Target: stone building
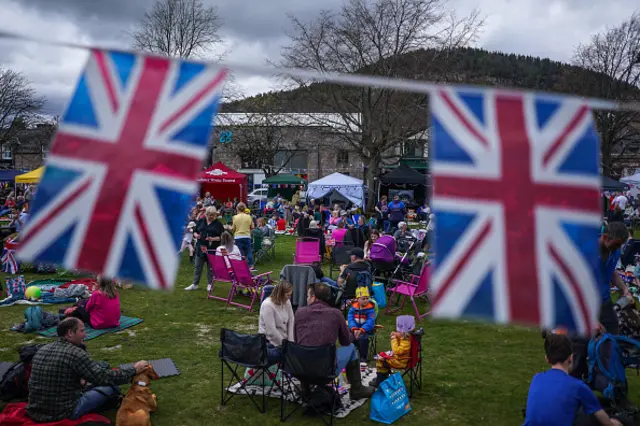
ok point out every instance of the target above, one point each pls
(27, 149)
(311, 145)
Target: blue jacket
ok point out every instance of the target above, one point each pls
(364, 318)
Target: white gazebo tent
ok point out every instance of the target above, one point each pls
(349, 187)
(633, 182)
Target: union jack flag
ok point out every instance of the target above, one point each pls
(516, 196)
(9, 263)
(121, 171)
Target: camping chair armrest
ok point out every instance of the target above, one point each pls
(264, 274)
(396, 283)
(378, 327)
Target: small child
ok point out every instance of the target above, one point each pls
(400, 352)
(362, 321)
(187, 240)
(273, 222)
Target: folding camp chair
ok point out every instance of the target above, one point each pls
(313, 366)
(413, 370)
(416, 287)
(339, 256)
(221, 272)
(248, 351)
(307, 251)
(243, 280)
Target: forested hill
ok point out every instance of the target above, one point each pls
(474, 66)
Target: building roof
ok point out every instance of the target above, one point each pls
(340, 122)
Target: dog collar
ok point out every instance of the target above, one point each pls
(141, 384)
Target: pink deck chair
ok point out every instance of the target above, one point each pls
(418, 286)
(242, 279)
(307, 251)
(338, 235)
(221, 272)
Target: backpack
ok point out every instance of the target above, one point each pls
(33, 317)
(608, 357)
(14, 384)
(365, 279)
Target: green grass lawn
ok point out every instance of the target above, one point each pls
(473, 373)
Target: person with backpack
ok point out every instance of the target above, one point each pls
(557, 399)
(356, 274)
(615, 235)
(59, 370)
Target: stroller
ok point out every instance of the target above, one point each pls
(386, 263)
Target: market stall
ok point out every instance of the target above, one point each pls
(223, 182)
(404, 182)
(286, 185)
(336, 186)
(30, 177)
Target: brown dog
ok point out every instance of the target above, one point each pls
(139, 401)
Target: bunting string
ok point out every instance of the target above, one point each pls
(405, 85)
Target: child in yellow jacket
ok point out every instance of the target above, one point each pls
(400, 353)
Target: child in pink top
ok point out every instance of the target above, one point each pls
(103, 306)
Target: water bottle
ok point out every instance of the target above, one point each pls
(622, 303)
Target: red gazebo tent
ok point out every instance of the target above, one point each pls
(223, 183)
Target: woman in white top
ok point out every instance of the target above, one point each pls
(276, 319)
(228, 246)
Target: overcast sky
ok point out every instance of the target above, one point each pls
(253, 31)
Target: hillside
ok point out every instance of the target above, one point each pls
(475, 66)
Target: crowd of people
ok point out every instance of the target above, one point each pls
(62, 370)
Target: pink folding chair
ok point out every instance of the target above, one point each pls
(338, 235)
(243, 280)
(307, 251)
(221, 272)
(417, 287)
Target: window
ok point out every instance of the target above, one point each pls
(6, 152)
(343, 158)
(296, 160)
(413, 149)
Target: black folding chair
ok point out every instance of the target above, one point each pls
(339, 256)
(312, 366)
(243, 351)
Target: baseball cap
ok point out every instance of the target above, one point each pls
(357, 252)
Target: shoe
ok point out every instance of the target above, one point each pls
(253, 269)
(357, 391)
(380, 377)
(191, 287)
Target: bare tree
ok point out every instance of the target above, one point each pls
(178, 28)
(259, 137)
(19, 105)
(614, 58)
(376, 38)
(184, 29)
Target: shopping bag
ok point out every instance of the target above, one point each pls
(390, 401)
(379, 295)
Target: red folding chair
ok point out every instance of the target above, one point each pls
(221, 272)
(243, 280)
(307, 251)
(417, 287)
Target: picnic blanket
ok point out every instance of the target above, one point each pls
(125, 322)
(16, 415)
(348, 405)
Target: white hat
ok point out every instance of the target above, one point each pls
(313, 225)
(191, 225)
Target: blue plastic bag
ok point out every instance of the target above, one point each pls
(390, 401)
(379, 295)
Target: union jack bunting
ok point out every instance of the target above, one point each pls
(516, 197)
(121, 171)
(9, 263)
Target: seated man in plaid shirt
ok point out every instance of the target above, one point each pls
(59, 371)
